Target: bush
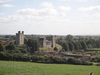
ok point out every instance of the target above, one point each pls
(98, 59)
(97, 64)
(2, 55)
(74, 61)
(41, 59)
(86, 63)
(48, 59)
(55, 48)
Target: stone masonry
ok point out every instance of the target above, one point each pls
(20, 38)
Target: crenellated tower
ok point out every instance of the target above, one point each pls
(20, 38)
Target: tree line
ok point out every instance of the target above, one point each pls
(71, 43)
(30, 46)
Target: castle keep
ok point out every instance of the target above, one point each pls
(20, 38)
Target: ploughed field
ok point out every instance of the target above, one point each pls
(29, 68)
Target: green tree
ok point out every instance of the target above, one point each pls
(2, 48)
(80, 47)
(84, 45)
(65, 46)
(89, 43)
(76, 46)
(10, 47)
(60, 41)
(97, 43)
(33, 45)
(71, 46)
(69, 38)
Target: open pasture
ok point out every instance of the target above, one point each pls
(29, 68)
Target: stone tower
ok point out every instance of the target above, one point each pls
(20, 38)
(53, 41)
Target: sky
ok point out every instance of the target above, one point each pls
(50, 17)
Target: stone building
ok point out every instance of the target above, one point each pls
(47, 42)
(20, 38)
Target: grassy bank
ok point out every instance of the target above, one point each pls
(94, 49)
(27, 68)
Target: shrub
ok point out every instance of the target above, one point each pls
(55, 48)
(74, 61)
(97, 64)
(98, 59)
(86, 63)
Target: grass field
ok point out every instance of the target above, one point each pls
(94, 49)
(28, 68)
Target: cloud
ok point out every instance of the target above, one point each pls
(82, 1)
(3, 1)
(62, 14)
(47, 4)
(40, 12)
(91, 15)
(7, 5)
(38, 24)
(90, 9)
(63, 8)
(65, 0)
(1, 13)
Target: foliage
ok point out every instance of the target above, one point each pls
(71, 46)
(97, 43)
(97, 64)
(40, 59)
(33, 45)
(98, 59)
(74, 61)
(80, 42)
(65, 46)
(2, 48)
(10, 47)
(76, 46)
(69, 38)
(83, 44)
(55, 48)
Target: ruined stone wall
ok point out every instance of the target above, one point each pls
(48, 42)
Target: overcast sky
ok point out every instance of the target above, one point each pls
(54, 17)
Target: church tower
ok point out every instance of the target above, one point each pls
(20, 38)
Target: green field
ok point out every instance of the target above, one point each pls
(28, 68)
(94, 49)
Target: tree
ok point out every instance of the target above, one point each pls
(89, 43)
(65, 46)
(33, 44)
(69, 38)
(84, 45)
(71, 46)
(76, 46)
(10, 47)
(97, 43)
(2, 48)
(60, 41)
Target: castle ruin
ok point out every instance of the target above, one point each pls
(20, 38)
(47, 42)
